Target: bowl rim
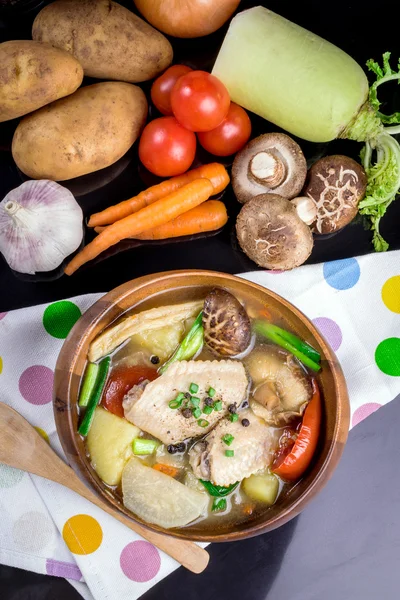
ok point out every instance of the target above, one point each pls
(70, 351)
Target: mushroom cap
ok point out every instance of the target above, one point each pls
(289, 161)
(272, 234)
(227, 329)
(336, 184)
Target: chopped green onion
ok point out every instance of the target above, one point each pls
(89, 381)
(196, 412)
(142, 446)
(189, 346)
(218, 405)
(211, 392)
(95, 397)
(193, 388)
(202, 423)
(218, 504)
(207, 410)
(234, 417)
(303, 351)
(177, 402)
(229, 453)
(218, 490)
(228, 439)
(195, 401)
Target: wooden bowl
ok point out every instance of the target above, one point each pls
(174, 286)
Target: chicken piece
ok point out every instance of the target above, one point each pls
(253, 448)
(148, 409)
(282, 389)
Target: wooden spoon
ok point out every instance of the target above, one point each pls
(22, 447)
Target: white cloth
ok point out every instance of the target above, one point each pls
(355, 303)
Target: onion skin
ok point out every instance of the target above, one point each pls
(187, 18)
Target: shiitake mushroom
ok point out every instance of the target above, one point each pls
(335, 184)
(272, 234)
(270, 163)
(227, 329)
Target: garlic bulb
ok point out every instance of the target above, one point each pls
(40, 225)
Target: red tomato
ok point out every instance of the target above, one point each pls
(230, 136)
(292, 465)
(120, 382)
(200, 101)
(166, 148)
(162, 88)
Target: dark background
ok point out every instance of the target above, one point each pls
(346, 544)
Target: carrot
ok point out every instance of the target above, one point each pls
(215, 172)
(208, 216)
(248, 508)
(166, 469)
(264, 312)
(164, 210)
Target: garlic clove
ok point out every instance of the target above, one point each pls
(40, 225)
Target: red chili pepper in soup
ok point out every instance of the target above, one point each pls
(292, 464)
(121, 380)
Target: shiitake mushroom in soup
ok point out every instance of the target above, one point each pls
(199, 408)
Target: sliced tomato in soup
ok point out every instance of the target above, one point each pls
(292, 460)
(121, 380)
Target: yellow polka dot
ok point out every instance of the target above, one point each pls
(82, 534)
(43, 434)
(1, 364)
(391, 294)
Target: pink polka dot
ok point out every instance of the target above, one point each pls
(330, 330)
(364, 411)
(36, 384)
(140, 561)
(2, 315)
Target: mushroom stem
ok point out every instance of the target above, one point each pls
(268, 169)
(306, 209)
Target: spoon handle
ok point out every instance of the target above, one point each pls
(23, 448)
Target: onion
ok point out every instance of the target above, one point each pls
(187, 18)
(40, 225)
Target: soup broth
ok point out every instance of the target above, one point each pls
(234, 462)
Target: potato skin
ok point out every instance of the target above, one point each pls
(33, 74)
(85, 132)
(108, 39)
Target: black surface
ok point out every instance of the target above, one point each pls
(346, 544)
(349, 25)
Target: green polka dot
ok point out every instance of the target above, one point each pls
(9, 476)
(387, 356)
(60, 317)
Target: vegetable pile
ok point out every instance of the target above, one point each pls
(277, 69)
(266, 64)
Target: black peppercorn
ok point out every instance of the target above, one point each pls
(209, 401)
(187, 413)
(174, 448)
(245, 422)
(187, 395)
(155, 359)
(232, 408)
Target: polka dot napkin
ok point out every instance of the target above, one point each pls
(45, 528)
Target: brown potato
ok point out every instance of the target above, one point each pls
(108, 39)
(33, 74)
(85, 132)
